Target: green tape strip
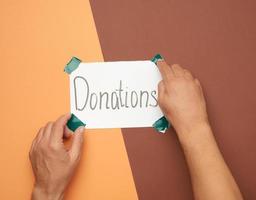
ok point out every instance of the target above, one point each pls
(72, 65)
(73, 123)
(161, 125)
(156, 58)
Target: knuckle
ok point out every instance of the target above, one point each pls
(48, 123)
(60, 119)
(41, 146)
(53, 147)
(54, 127)
(175, 65)
(187, 72)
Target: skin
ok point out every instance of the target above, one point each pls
(53, 164)
(181, 98)
(182, 101)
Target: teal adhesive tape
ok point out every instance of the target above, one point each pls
(156, 58)
(72, 65)
(73, 123)
(161, 125)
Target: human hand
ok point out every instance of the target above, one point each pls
(181, 98)
(53, 165)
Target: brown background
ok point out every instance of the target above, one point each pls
(216, 40)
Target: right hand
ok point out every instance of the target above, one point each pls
(181, 98)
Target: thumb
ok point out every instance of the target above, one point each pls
(77, 143)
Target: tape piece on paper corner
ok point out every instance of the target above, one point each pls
(72, 65)
(73, 123)
(161, 125)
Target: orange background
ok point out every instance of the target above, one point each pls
(37, 39)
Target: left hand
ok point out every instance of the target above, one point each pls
(53, 165)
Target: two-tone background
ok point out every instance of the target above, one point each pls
(215, 39)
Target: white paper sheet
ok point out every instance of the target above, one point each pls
(115, 94)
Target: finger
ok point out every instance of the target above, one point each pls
(198, 83)
(77, 144)
(200, 86)
(47, 130)
(36, 140)
(34, 144)
(177, 70)
(165, 70)
(58, 127)
(188, 74)
(67, 133)
(161, 90)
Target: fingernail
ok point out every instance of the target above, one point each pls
(80, 129)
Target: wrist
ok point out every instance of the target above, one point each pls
(40, 193)
(195, 135)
